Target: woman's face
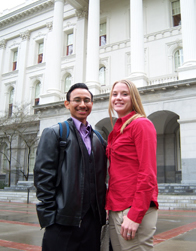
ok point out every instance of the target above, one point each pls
(121, 99)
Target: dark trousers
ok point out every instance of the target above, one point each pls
(69, 238)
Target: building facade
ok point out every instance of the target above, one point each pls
(48, 45)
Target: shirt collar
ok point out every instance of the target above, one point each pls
(79, 125)
(124, 119)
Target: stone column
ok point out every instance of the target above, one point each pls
(188, 19)
(2, 52)
(2, 55)
(53, 59)
(188, 150)
(92, 67)
(137, 43)
(22, 64)
(81, 34)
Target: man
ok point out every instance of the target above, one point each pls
(72, 209)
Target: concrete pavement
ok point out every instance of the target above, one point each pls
(19, 229)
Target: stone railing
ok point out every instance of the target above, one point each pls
(105, 89)
(162, 79)
(151, 81)
(163, 34)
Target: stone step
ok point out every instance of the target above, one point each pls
(185, 202)
(177, 202)
(174, 188)
(16, 196)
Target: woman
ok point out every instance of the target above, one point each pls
(132, 188)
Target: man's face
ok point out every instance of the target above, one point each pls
(80, 104)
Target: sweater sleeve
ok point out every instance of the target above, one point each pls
(144, 136)
(45, 173)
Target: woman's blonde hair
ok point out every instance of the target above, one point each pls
(135, 102)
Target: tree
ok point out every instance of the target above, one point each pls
(18, 131)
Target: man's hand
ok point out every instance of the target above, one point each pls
(128, 228)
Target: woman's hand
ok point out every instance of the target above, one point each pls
(128, 228)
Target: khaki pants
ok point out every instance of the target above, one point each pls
(143, 240)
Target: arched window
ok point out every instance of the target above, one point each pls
(37, 93)
(178, 58)
(11, 97)
(102, 80)
(67, 83)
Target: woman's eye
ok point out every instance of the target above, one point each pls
(114, 94)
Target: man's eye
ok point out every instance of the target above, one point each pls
(87, 100)
(77, 100)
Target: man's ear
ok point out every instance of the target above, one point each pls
(66, 103)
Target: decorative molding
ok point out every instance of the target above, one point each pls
(82, 13)
(68, 25)
(40, 36)
(36, 77)
(114, 46)
(49, 25)
(36, 67)
(3, 43)
(25, 12)
(172, 46)
(14, 44)
(187, 121)
(10, 74)
(25, 35)
(9, 84)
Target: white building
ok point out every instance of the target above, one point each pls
(48, 45)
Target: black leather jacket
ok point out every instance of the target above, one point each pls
(62, 203)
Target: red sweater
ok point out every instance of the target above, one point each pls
(133, 169)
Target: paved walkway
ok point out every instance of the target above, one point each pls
(19, 229)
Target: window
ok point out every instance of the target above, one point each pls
(176, 15)
(69, 44)
(102, 36)
(178, 58)
(15, 56)
(11, 97)
(37, 93)
(102, 75)
(40, 52)
(67, 83)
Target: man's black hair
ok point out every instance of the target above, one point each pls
(78, 86)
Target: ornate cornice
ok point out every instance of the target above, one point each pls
(24, 12)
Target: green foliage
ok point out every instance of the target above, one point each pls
(2, 185)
